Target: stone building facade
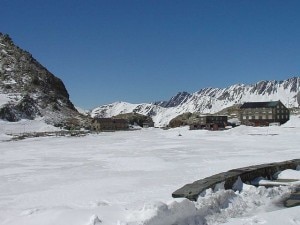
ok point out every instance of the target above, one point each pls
(210, 122)
(108, 124)
(263, 113)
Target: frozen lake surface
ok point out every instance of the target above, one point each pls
(128, 177)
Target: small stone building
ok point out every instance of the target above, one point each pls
(209, 122)
(108, 124)
(263, 113)
(147, 124)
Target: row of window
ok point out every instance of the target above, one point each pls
(213, 118)
(283, 111)
(265, 112)
(255, 111)
(264, 117)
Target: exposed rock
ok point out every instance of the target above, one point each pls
(178, 99)
(33, 90)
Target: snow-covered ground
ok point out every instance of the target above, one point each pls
(23, 126)
(128, 177)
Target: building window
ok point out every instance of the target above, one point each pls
(244, 117)
(263, 117)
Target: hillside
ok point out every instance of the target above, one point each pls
(28, 90)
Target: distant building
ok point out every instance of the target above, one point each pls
(108, 124)
(263, 113)
(210, 122)
(148, 124)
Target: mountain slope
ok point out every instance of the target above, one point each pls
(209, 100)
(28, 90)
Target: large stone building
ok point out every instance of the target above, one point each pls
(263, 113)
(108, 124)
(210, 122)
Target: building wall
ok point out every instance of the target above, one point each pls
(108, 124)
(264, 116)
(210, 122)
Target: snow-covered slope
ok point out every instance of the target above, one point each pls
(209, 100)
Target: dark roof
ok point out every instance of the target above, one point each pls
(102, 119)
(111, 120)
(259, 105)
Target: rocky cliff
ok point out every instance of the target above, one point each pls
(28, 90)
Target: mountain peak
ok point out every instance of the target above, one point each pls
(212, 100)
(25, 82)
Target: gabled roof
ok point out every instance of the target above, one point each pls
(247, 105)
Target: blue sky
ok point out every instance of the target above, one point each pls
(148, 50)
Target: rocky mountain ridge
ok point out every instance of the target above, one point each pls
(28, 90)
(209, 100)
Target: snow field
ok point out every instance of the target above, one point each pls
(128, 177)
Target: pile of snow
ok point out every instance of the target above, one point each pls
(213, 208)
(289, 174)
(293, 122)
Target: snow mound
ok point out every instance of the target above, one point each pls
(94, 220)
(213, 208)
(290, 174)
(293, 122)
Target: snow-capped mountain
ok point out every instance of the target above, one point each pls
(28, 90)
(209, 100)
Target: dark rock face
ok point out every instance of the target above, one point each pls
(33, 89)
(178, 99)
(25, 109)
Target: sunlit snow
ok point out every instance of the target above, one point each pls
(128, 177)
